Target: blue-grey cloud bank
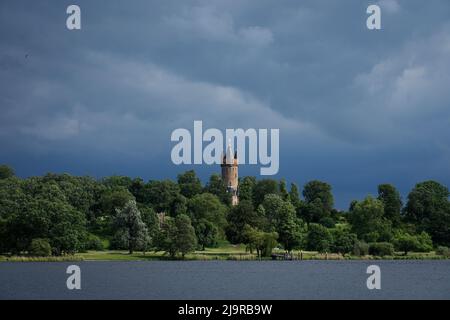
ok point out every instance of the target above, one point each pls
(355, 107)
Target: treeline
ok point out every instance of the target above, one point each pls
(62, 214)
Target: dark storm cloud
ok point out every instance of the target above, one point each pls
(354, 107)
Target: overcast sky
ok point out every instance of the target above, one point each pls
(355, 107)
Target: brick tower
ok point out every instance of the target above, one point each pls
(230, 173)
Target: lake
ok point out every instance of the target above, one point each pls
(412, 279)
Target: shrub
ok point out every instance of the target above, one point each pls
(381, 249)
(419, 243)
(343, 240)
(443, 251)
(361, 248)
(94, 243)
(319, 238)
(40, 248)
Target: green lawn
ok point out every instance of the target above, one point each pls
(225, 251)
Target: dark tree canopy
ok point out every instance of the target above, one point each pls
(392, 202)
(429, 209)
(189, 184)
(314, 190)
(6, 172)
(62, 214)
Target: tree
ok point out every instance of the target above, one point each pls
(428, 208)
(263, 188)
(105, 210)
(262, 242)
(319, 190)
(343, 240)
(272, 206)
(319, 238)
(151, 221)
(6, 172)
(294, 196)
(368, 222)
(207, 233)
(189, 183)
(406, 242)
(208, 206)
(137, 189)
(176, 235)
(289, 227)
(246, 186)
(241, 215)
(283, 190)
(165, 238)
(163, 196)
(217, 187)
(131, 231)
(390, 197)
(185, 240)
(314, 211)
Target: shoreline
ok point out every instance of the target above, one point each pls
(113, 256)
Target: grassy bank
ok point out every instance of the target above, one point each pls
(224, 252)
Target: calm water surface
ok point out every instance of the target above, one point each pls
(227, 280)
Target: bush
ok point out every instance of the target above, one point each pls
(361, 248)
(419, 243)
(319, 238)
(343, 240)
(94, 243)
(40, 248)
(443, 251)
(327, 222)
(381, 249)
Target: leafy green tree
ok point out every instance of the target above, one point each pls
(150, 220)
(344, 240)
(6, 172)
(162, 196)
(246, 187)
(319, 190)
(166, 239)
(289, 227)
(185, 240)
(262, 242)
(131, 231)
(207, 233)
(273, 205)
(392, 202)
(428, 208)
(368, 222)
(208, 206)
(176, 236)
(263, 188)
(189, 183)
(217, 187)
(314, 212)
(319, 238)
(294, 196)
(114, 182)
(241, 215)
(283, 190)
(179, 205)
(137, 189)
(67, 231)
(406, 242)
